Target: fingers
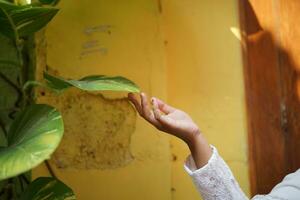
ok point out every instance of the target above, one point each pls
(135, 102)
(163, 106)
(163, 119)
(156, 111)
(143, 108)
(145, 105)
(147, 111)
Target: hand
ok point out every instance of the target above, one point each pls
(165, 118)
(175, 122)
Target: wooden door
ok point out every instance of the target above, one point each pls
(271, 51)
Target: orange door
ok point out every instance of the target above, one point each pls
(271, 65)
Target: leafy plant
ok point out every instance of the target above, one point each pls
(47, 188)
(33, 136)
(29, 132)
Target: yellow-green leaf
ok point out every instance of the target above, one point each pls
(32, 138)
(93, 83)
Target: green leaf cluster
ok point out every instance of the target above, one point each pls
(29, 132)
(20, 21)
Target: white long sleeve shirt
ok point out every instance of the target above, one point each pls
(215, 181)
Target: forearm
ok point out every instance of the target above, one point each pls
(200, 149)
(210, 173)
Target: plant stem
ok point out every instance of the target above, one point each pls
(50, 169)
(6, 79)
(2, 125)
(31, 84)
(22, 72)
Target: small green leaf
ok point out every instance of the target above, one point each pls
(93, 83)
(56, 83)
(48, 188)
(32, 138)
(19, 21)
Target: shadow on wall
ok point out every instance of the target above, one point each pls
(273, 104)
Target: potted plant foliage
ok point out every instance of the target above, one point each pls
(30, 132)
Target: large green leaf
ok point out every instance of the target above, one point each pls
(32, 138)
(19, 21)
(92, 83)
(48, 188)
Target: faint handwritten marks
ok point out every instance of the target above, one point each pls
(92, 45)
(98, 29)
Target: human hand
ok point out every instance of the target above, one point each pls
(165, 118)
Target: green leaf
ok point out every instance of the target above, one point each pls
(32, 138)
(48, 188)
(19, 21)
(92, 83)
(21, 2)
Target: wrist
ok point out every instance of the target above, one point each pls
(200, 149)
(193, 138)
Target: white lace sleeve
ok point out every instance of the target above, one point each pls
(214, 181)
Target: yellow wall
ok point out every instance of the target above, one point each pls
(112, 38)
(205, 79)
(180, 51)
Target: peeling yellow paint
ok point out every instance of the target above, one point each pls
(97, 130)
